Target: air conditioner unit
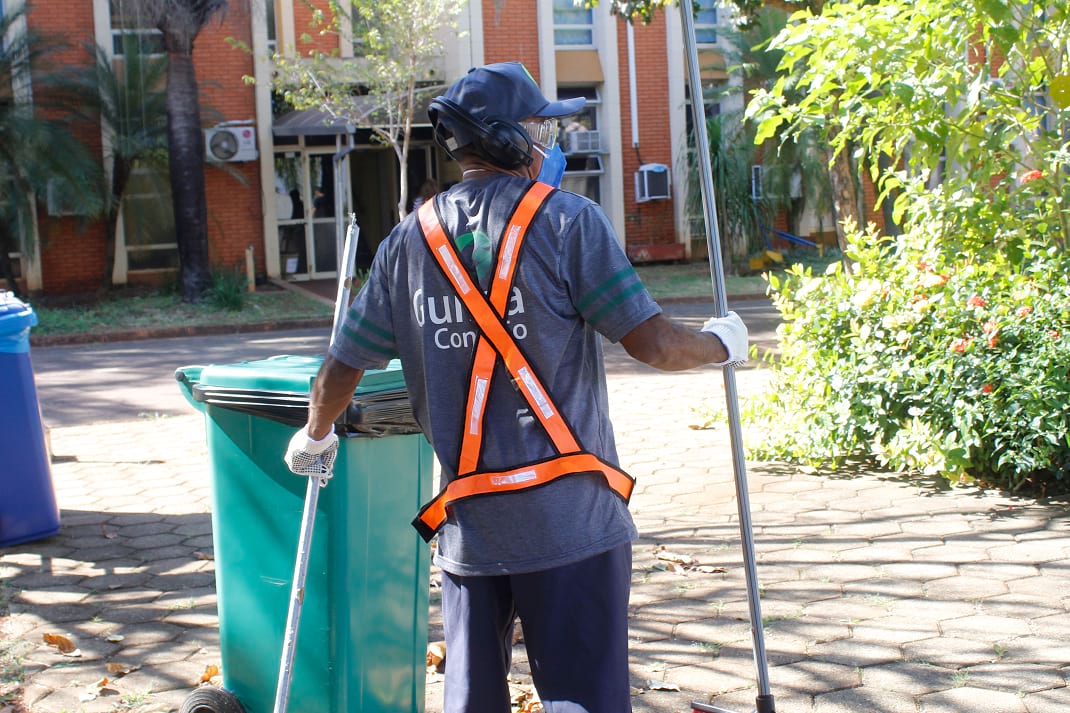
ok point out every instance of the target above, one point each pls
(582, 142)
(231, 141)
(652, 182)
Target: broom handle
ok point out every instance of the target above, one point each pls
(713, 244)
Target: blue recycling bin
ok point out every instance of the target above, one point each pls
(28, 508)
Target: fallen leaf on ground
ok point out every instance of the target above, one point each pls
(121, 669)
(64, 645)
(114, 638)
(670, 567)
(210, 672)
(436, 656)
(524, 699)
(108, 534)
(675, 557)
(203, 556)
(662, 686)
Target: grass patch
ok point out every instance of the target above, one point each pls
(692, 279)
(130, 310)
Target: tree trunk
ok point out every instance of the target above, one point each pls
(844, 196)
(186, 147)
(119, 176)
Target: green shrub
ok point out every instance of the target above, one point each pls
(228, 290)
(926, 359)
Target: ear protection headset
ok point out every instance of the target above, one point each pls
(502, 141)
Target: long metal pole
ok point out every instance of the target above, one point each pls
(297, 593)
(346, 274)
(764, 701)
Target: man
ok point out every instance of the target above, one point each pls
(496, 295)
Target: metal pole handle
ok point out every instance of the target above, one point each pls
(297, 591)
(713, 244)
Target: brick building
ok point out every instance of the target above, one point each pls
(294, 175)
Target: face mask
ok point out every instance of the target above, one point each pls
(553, 166)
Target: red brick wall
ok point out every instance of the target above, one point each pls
(511, 33)
(235, 218)
(72, 252)
(303, 10)
(650, 223)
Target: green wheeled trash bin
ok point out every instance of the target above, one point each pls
(28, 509)
(362, 641)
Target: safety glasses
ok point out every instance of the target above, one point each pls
(542, 131)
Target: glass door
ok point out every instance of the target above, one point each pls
(305, 214)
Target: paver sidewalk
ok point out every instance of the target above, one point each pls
(879, 594)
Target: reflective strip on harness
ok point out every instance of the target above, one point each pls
(433, 515)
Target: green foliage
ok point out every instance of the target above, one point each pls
(953, 93)
(925, 359)
(396, 46)
(731, 156)
(940, 351)
(228, 289)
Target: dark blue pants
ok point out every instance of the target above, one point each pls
(575, 622)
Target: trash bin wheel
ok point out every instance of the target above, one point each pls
(210, 699)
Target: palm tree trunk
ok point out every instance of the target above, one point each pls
(119, 177)
(186, 144)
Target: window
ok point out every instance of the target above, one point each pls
(272, 26)
(573, 24)
(580, 132)
(581, 142)
(149, 221)
(583, 175)
(128, 23)
(706, 22)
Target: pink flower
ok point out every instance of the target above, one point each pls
(1054, 334)
(959, 345)
(976, 301)
(1030, 176)
(1024, 311)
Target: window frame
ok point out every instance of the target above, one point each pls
(560, 27)
(705, 6)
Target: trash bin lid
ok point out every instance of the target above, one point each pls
(16, 319)
(278, 389)
(292, 375)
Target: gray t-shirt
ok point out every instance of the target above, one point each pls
(573, 282)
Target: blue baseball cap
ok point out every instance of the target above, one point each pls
(505, 90)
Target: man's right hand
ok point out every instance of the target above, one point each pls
(309, 456)
(733, 335)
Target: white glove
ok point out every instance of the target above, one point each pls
(733, 335)
(307, 456)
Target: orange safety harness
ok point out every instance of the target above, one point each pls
(495, 342)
